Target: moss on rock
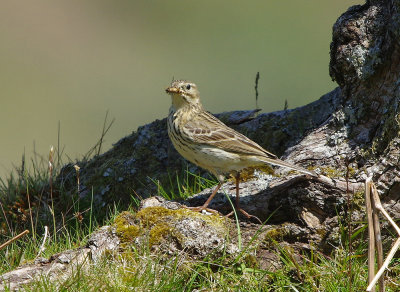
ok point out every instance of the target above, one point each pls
(180, 229)
(125, 227)
(274, 235)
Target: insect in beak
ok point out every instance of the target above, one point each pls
(172, 90)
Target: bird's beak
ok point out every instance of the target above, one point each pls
(172, 90)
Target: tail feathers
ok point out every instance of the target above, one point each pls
(278, 162)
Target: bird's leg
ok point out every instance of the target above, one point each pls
(205, 205)
(237, 180)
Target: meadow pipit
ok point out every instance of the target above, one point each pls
(207, 142)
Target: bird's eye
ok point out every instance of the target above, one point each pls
(188, 86)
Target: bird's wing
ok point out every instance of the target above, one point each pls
(207, 129)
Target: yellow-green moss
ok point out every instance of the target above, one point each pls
(332, 172)
(157, 222)
(248, 173)
(125, 227)
(159, 232)
(151, 216)
(358, 200)
(251, 261)
(321, 232)
(274, 235)
(336, 172)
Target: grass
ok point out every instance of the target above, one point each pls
(140, 270)
(187, 185)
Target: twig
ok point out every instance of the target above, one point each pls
(285, 107)
(256, 88)
(377, 206)
(104, 132)
(296, 264)
(29, 204)
(41, 249)
(377, 229)
(13, 239)
(380, 208)
(350, 231)
(385, 264)
(371, 233)
(5, 217)
(58, 146)
(97, 147)
(51, 166)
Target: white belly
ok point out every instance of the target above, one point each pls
(215, 160)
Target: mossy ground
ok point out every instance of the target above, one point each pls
(140, 268)
(135, 267)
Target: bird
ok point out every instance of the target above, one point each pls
(206, 141)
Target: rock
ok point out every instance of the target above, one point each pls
(307, 205)
(163, 226)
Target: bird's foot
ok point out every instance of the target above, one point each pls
(200, 209)
(248, 216)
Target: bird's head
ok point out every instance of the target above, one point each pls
(183, 93)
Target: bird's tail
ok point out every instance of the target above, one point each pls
(278, 162)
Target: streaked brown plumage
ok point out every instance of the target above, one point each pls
(207, 142)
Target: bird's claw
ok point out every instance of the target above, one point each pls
(248, 216)
(200, 209)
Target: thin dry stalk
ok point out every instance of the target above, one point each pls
(377, 206)
(378, 236)
(29, 205)
(5, 217)
(13, 239)
(256, 88)
(58, 145)
(97, 148)
(385, 264)
(350, 231)
(42, 248)
(296, 264)
(77, 168)
(104, 132)
(371, 233)
(51, 165)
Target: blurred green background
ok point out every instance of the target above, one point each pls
(71, 61)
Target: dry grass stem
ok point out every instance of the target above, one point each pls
(372, 200)
(371, 233)
(42, 248)
(13, 239)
